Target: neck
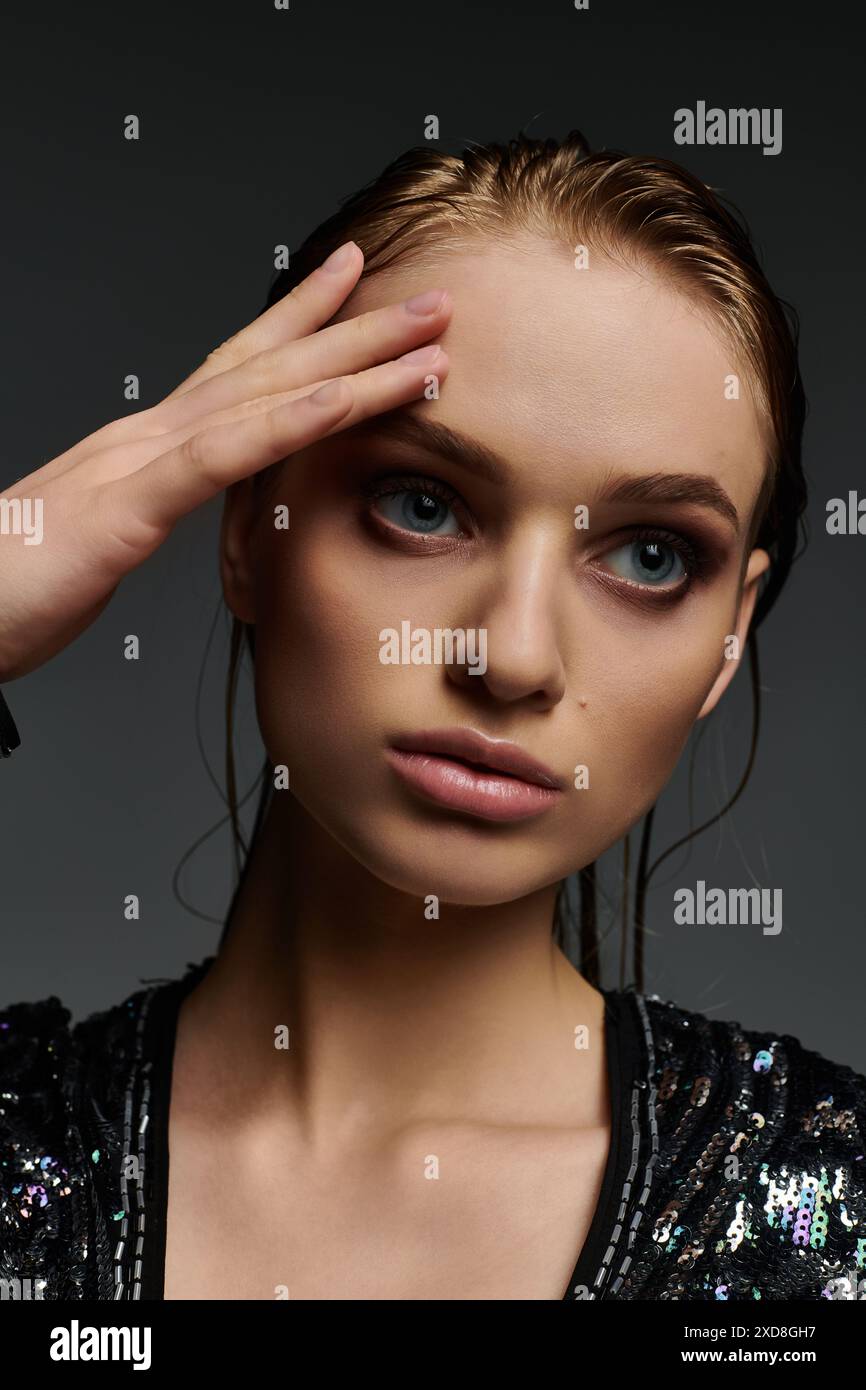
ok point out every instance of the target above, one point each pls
(390, 1012)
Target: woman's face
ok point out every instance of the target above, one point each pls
(601, 389)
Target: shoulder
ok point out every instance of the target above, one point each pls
(797, 1084)
(61, 1105)
(759, 1185)
(68, 1095)
(35, 1044)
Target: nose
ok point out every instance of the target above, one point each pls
(516, 606)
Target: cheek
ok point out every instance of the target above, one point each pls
(312, 640)
(320, 607)
(644, 695)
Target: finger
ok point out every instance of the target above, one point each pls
(393, 384)
(108, 463)
(149, 501)
(341, 349)
(308, 305)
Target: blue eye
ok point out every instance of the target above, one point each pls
(418, 511)
(650, 562)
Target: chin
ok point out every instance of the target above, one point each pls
(470, 874)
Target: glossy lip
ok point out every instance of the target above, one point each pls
(489, 753)
(496, 780)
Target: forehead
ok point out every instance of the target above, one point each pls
(590, 372)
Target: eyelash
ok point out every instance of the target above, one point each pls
(695, 560)
(392, 485)
(386, 485)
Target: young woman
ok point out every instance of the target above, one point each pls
(544, 401)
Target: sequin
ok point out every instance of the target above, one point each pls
(763, 1167)
(745, 1181)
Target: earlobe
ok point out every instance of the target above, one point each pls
(235, 550)
(759, 563)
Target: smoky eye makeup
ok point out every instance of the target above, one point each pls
(652, 562)
(415, 508)
(653, 566)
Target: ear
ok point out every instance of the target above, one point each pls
(236, 569)
(759, 563)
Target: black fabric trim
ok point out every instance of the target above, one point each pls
(160, 1046)
(625, 1066)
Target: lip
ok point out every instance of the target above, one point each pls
(469, 771)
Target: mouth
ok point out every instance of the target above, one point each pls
(467, 771)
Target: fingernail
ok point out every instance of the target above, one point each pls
(426, 303)
(328, 394)
(422, 357)
(339, 259)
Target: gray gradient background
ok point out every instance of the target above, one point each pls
(140, 257)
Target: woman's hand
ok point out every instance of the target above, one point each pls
(109, 501)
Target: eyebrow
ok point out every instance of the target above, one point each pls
(672, 487)
(415, 432)
(432, 435)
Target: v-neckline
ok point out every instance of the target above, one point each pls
(625, 1067)
(626, 1076)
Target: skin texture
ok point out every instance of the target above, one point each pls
(453, 1037)
(594, 373)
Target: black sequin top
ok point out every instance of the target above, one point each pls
(737, 1163)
